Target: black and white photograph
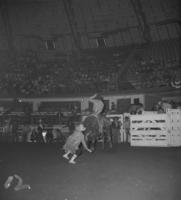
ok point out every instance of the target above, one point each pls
(90, 100)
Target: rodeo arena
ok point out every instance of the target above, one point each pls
(90, 100)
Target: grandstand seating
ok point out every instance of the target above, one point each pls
(154, 65)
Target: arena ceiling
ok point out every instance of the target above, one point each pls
(90, 23)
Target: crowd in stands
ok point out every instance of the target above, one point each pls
(152, 73)
(29, 76)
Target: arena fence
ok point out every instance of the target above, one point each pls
(159, 130)
(174, 129)
(148, 129)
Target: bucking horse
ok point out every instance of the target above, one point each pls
(97, 129)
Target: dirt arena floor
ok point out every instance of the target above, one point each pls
(123, 173)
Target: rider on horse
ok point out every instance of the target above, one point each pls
(98, 103)
(97, 125)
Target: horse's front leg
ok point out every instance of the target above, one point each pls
(91, 142)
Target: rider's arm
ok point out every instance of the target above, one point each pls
(92, 97)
